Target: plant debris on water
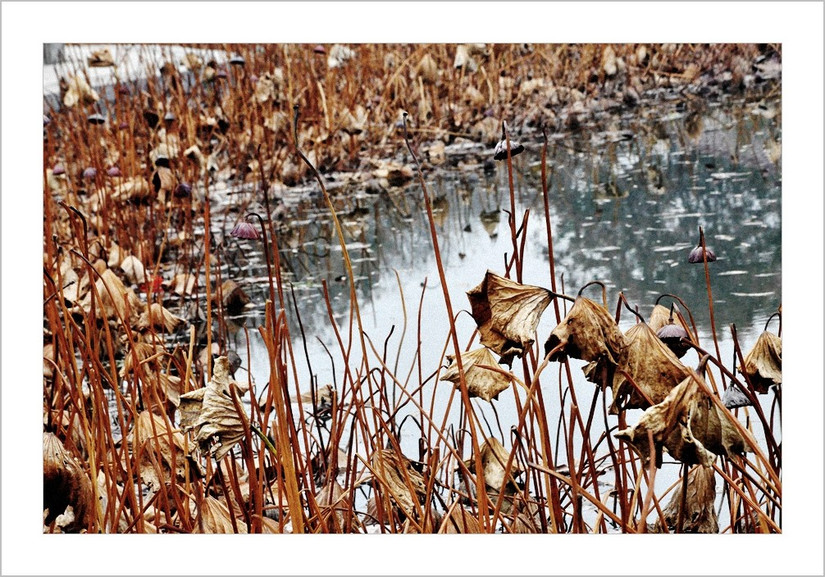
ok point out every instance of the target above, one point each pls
(191, 191)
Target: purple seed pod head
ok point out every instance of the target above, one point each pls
(696, 255)
(244, 230)
(113, 171)
(58, 170)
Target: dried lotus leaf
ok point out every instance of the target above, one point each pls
(699, 514)
(493, 460)
(481, 382)
(652, 366)
(158, 317)
(405, 485)
(688, 424)
(507, 314)
(118, 301)
(763, 364)
(217, 426)
(66, 485)
(215, 518)
(459, 520)
(659, 317)
(153, 444)
(133, 269)
(588, 332)
(427, 69)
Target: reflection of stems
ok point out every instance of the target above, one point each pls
(710, 303)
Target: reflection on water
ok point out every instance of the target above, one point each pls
(627, 200)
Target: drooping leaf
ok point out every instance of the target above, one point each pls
(507, 314)
(493, 460)
(588, 332)
(688, 424)
(154, 444)
(215, 518)
(217, 426)
(406, 486)
(763, 364)
(66, 484)
(481, 382)
(699, 515)
(651, 365)
(158, 317)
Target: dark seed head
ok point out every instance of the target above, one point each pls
(500, 152)
(319, 49)
(733, 398)
(183, 190)
(96, 119)
(696, 255)
(237, 60)
(169, 118)
(675, 337)
(244, 230)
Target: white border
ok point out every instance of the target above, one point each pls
(26, 26)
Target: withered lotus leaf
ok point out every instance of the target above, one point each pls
(406, 486)
(65, 484)
(659, 317)
(215, 518)
(763, 364)
(699, 515)
(588, 332)
(117, 300)
(459, 520)
(211, 413)
(481, 382)
(153, 444)
(651, 365)
(158, 317)
(493, 460)
(507, 314)
(688, 424)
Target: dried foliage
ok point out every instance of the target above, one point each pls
(763, 364)
(653, 367)
(481, 381)
(66, 485)
(695, 508)
(210, 413)
(588, 332)
(689, 425)
(507, 314)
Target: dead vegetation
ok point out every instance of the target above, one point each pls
(145, 427)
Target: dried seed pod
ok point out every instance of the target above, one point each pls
(733, 397)
(763, 364)
(500, 151)
(651, 365)
(96, 119)
(481, 382)
(507, 314)
(234, 297)
(675, 337)
(699, 254)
